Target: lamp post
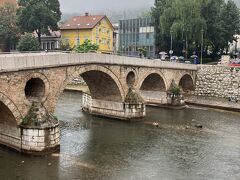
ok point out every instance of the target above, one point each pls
(171, 50)
(202, 31)
(186, 52)
(78, 40)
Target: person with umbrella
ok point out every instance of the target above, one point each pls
(163, 55)
(195, 57)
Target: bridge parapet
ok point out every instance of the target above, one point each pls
(16, 62)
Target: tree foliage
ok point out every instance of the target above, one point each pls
(143, 52)
(65, 45)
(87, 46)
(8, 28)
(28, 43)
(39, 16)
(186, 20)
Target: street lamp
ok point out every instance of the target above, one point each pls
(202, 31)
(78, 40)
(171, 50)
(186, 52)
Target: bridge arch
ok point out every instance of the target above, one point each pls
(131, 79)
(8, 110)
(102, 82)
(37, 87)
(153, 81)
(186, 83)
(7, 105)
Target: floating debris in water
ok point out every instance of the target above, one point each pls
(155, 124)
(199, 126)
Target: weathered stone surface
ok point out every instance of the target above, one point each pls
(218, 81)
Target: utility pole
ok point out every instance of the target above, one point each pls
(202, 31)
(78, 40)
(171, 50)
(186, 45)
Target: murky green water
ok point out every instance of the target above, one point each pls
(99, 148)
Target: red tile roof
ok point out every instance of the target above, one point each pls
(8, 1)
(82, 22)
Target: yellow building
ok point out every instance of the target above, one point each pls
(98, 29)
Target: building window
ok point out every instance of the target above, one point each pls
(103, 41)
(52, 45)
(97, 31)
(44, 46)
(147, 36)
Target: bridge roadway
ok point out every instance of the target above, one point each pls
(30, 85)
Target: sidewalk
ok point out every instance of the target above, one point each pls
(212, 102)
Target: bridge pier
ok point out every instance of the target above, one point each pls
(39, 131)
(131, 108)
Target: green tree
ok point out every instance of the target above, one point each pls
(211, 12)
(231, 22)
(185, 20)
(87, 46)
(8, 29)
(65, 45)
(143, 52)
(28, 43)
(39, 16)
(156, 12)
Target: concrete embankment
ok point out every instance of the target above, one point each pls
(213, 102)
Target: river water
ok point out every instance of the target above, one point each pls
(101, 148)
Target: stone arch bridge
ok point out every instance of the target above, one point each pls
(30, 85)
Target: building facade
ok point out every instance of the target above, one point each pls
(98, 29)
(115, 38)
(50, 41)
(8, 1)
(135, 34)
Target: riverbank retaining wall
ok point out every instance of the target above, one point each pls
(218, 81)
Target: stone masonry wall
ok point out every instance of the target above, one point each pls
(218, 81)
(37, 140)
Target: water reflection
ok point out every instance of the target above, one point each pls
(98, 148)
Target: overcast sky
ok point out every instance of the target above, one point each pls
(95, 6)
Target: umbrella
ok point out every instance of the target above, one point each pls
(162, 53)
(181, 57)
(194, 56)
(174, 57)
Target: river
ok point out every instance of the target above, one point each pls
(101, 148)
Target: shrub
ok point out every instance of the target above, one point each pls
(87, 46)
(28, 43)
